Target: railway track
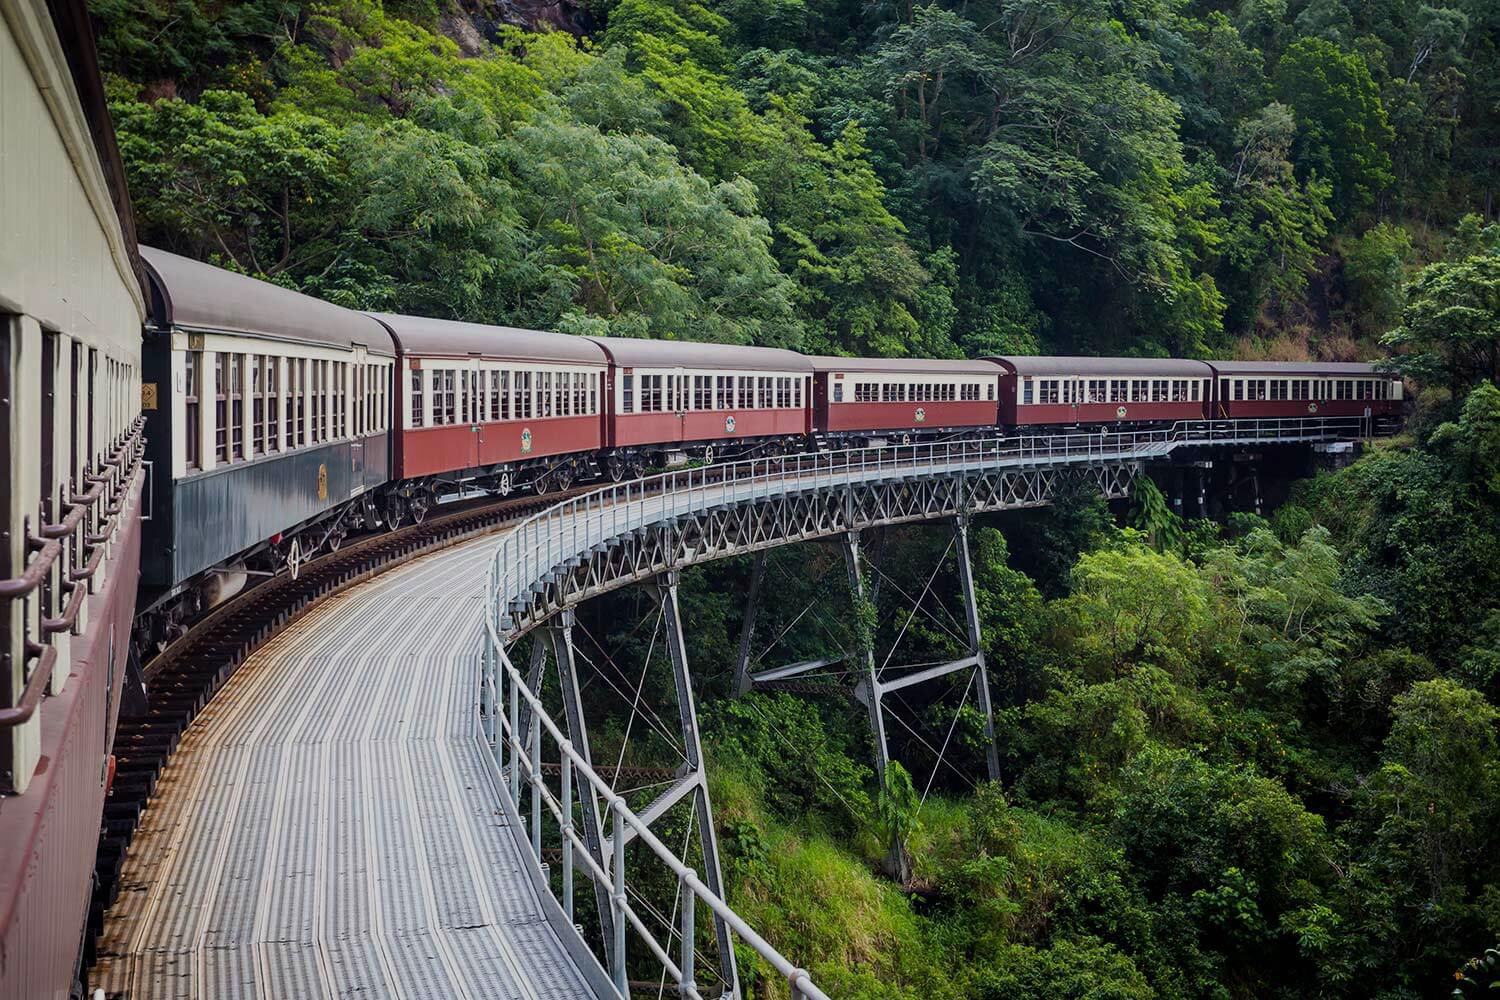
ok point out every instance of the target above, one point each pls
(182, 678)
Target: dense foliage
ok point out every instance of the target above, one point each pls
(1251, 762)
(1257, 176)
(1245, 762)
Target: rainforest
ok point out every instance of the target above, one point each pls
(1251, 756)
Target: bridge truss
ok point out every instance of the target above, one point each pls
(646, 531)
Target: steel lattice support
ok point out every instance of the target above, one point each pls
(695, 779)
(976, 645)
(747, 631)
(869, 686)
(798, 515)
(560, 634)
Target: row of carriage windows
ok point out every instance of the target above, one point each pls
(265, 403)
(914, 392)
(1066, 391)
(1240, 389)
(465, 396)
(682, 393)
(1111, 390)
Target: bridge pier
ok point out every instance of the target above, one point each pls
(560, 637)
(694, 777)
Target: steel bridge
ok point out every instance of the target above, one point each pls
(647, 531)
(380, 800)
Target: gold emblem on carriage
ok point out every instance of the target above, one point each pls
(729, 424)
(526, 440)
(921, 415)
(323, 482)
(1312, 407)
(1120, 412)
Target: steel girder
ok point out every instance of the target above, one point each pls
(801, 514)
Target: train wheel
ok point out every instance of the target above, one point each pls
(505, 484)
(335, 539)
(708, 455)
(616, 468)
(542, 484)
(395, 509)
(563, 477)
(420, 505)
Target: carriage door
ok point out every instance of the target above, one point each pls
(679, 403)
(474, 397)
(354, 414)
(1073, 395)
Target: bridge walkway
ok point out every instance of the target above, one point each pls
(329, 825)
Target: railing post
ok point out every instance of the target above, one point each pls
(536, 783)
(622, 979)
(566, 752)
(513, 740)
(687, 987)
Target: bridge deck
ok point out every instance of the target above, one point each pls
(329, 825)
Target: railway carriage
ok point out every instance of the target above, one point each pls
(71, 305)
(866, 400)
(1265, 389)
(271, 437)
(1115, 393)
(669, 397)
(497, 407)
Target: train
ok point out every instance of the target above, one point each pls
(174, 431)
(283, 423)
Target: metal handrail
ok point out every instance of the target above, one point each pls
(529, 760)
(539, 545)
(107, 488)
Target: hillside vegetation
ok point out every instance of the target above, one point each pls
(836, 175)
(1241, 761)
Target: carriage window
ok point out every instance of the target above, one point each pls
(650, 393)
(969, 392)
(416, 397)
(1098, 390)
(190, 396)
(273, 405)
(701, 396)
(763, 393)
(221, 409)
(257, 405)
(1051, 391)
(237, 365)
(627, 393)
(723, 392)
(1028, 394)
(594, 380)
(864, 392)
(1239, 388)
(1197, 390)
(784, 392)
(523, 396)
(838, 392)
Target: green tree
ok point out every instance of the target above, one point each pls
(1450, 328)
(1375, 269)
(1344, 132)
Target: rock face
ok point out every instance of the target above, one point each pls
(471, 23)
